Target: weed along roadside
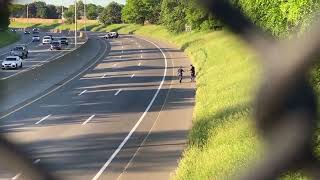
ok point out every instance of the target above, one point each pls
(8, 38)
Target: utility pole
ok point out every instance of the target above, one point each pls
(75, 24)
(27, 13)
(62, 12)
(85, 16)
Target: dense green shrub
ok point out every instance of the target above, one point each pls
(280, 17)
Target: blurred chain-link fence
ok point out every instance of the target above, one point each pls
(285, 109)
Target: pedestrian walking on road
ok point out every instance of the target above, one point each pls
(193, 73)
(180, 74)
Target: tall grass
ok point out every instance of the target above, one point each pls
(7, 38)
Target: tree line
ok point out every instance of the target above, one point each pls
(39, 9)
(277, 17)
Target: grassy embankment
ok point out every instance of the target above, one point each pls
(51, 25)
(222, 139)
(7, 38)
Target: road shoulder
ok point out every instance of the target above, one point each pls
(158, 155)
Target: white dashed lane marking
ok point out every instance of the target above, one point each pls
(116, 94)
(43, 119)
(89, 119)
(82, 92)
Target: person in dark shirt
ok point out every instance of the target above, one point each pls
(180, 74)
(193, 73)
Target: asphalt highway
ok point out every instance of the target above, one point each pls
(38, 53)
(101, 122)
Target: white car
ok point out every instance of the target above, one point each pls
(47, 40)
(35, 38)
(12, 62)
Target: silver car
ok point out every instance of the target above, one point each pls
(20, 50)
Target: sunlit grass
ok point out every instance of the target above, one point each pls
(61, 26)
(7, 38)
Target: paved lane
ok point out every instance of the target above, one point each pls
(38, 53)
(91, 127)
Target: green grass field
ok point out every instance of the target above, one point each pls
(51, 26)
(7, 38)
(222, 140)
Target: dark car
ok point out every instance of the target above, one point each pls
(64, 41)
(35, 31)
(20, 50)
(55, 45)
(26, 32)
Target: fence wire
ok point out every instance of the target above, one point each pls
(285, 109)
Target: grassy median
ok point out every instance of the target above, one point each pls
(222, 140)
(7, 38)
(52, 25)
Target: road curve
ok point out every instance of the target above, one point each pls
(124, 116)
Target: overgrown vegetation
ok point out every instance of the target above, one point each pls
(277, 17)
(280, 17)
(111, 14)
(7, 38)
(4, 15)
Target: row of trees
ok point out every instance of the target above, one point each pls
(4, 15)
(174, 14)
(40, 9)
(111, 14)
(277, 17)
(37, 9)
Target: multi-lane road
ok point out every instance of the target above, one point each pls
(122, 116)
(38, 53)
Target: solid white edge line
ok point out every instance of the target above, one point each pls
(141, 118)
(151, 129)
(89, 119)
(82, 92)
(103, 76)
(36, 161)
(16, 176)
(43, 119)
(116, 94)
(58, 87)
